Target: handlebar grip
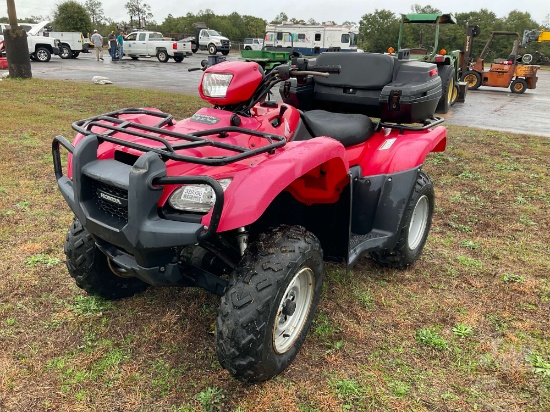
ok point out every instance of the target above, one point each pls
(327, 69)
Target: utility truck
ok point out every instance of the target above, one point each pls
(208, 39)
(72, 42)
(310, 40)
(41, 48)
(152, 43)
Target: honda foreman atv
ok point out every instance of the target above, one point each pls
(248, 198)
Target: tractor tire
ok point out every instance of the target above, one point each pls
(456, 91)
(66, 52)
(447, 75)
(212, 50)
(518, 86)
(162, 56)
(225, 52)
(42, 55)
(473, 79)
(91, 269)
(178, 59)
(415, 227)
(268, 307)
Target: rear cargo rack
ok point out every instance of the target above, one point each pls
(427, 124)
(114, 124)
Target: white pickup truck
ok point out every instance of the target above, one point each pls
(151, 43)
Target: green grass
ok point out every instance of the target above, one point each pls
(466, 328)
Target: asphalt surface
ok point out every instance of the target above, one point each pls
(488, 107)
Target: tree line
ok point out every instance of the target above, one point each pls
(377, 31)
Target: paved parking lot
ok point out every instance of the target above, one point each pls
(488, 108)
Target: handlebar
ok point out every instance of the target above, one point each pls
(326, 69)
(309, 73)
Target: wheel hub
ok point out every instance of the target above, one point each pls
(293, 310)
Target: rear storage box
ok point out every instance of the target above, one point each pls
(413, 96)
(394, 89)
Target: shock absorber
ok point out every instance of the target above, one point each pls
(242, 239)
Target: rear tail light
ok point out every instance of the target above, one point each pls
(439, 59)
(433, 72)
(175, 46)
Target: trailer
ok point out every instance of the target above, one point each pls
(310, 40)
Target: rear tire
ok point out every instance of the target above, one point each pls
(417, 221)
(518, 86)
(178, 59)
(447, 75)
(76, 54)
(268, 307)
(162, 56)
(89, 267)
(473, 79)
(66, 52)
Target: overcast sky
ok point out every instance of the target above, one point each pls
(320, 10)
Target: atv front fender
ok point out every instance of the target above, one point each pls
(314, 171)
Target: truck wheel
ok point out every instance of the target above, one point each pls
(268, 307)
(417, 220)
(92, 270)
(473, 79)
(43, 55)
(76, 54)
(248, 48)
(212, 49)
(178, 59)
(134, 57)
(527, 58)
(225, 52)
(518, 86)
(66, 52)
(194, 47)
(162, 55)
(447, 75)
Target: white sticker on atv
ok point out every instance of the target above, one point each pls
(387, 144)
(287, 129)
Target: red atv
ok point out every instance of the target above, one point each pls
(248, 198)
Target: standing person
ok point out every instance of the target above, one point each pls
(112, 45)
(120, 42)
(97, 40)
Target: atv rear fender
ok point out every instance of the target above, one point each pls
(398, 150)
(313, 171)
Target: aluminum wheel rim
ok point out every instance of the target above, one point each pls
(419, 221)
(41, 55)
(287, 328)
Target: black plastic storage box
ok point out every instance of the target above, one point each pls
(413, 96)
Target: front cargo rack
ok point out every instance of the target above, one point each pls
(114, 124)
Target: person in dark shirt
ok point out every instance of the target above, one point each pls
(112, 45)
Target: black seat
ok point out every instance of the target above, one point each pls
(348, 129)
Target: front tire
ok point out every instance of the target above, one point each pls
(473, 79)
(178, 59)
(43, 55)
(268, 307)
(91, 270)
(447, 75)
(417, 221)
(225, 52)
(212, 49)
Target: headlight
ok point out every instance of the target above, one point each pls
(196, 198)
(216, 84)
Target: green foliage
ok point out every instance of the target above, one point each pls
(210, 399)
(541, 366)
(72, 16)
(42, 259)
(431, 338)
(378, 31)
(513, 278)
(462, 331)
(90, 305)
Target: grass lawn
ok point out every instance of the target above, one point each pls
(467, 328)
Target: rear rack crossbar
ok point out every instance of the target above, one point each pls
(112, 123)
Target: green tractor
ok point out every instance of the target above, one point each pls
(448, 63)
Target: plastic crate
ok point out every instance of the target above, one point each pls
(3, 63)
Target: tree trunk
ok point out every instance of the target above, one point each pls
(17, 52)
